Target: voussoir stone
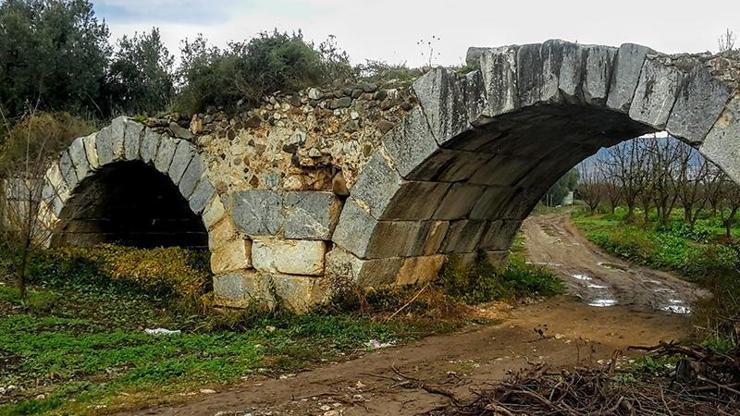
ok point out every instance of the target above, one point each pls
(90, 151)
(78, 155)
(410, 143)
(132, 140)
(498, 69)
(193, 173)
(355, 228)
(67, 168)
(345, 271)
(165, 152)
(310, 215)
(213, 213)
(376, 185)
(180, 160)
(721, 145)
(656, 92)
(149, 145)
(626, 75)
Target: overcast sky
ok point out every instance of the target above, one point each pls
(389, 30)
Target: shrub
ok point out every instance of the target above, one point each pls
(47, 133)
(272, 61)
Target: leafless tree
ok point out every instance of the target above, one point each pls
(664, 168)
(693, 172)
(730, 203)
(589, 188)
(726, 42)
(611, 188)
(626, 165)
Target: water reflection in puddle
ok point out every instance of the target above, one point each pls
(593, 286)
(679, 309)
(581, 276)
(544, 263)
(602, 303)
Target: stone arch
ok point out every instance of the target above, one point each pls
(126, 143)
(470, 162)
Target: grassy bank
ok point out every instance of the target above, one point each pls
(703, 255)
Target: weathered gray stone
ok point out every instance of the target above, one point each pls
(415, 201)
(55, 179)
(104, 146)
(498, 68)
(598, 73)
(181, 132)
(90, 151)
(430, 237)
(490, 203)
(656, 92)
(393, 239)
(499, 235)
(195, 170)
(232, 256)
(300, 294)
(721, 145)
(257, 212)
(165, 152)
(298, 257)
(376, 185)
(700, 101)
(180, 160)
(346, 271)
(67, 168)
(132, 140)
(571, 72)
(463, 236)
(310, 215)
(502, 171)
(355, 228)
(118, 133)
(242, 289)
(222, 233)
(201, 196)
(538, 70)
(410, 143)
(78, 155)
(458, 201)
(450, 102)
(149, 146)
(626, 75)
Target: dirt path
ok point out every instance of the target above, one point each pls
(597, 278)
(572, 333)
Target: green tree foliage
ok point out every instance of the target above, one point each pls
(52, 52)
(141, 77)
(560, 189)
(272, 61)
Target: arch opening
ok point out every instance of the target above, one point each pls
(130, 203)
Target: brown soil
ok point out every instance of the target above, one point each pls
(562, 332)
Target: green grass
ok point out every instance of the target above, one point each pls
(703, 255)
(72, 351)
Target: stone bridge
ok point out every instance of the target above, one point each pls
(375, 187)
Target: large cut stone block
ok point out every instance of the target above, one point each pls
(180, 160)
(195, 170)
(722, 144)
(700, 101)
(78, 156)
(410, 143)
(656, 92)
(346, 271)
(118, 134)
(355, 228)
(300, 294)
(450, 102)
(415, 201)
(257, 211)
(222, 233)
(463, 236)
(213, 213)
(165, 152)
(393, 239)
(301, 257)
(498, 68)
(571, 72)
(430, 237)
(202, 195)
(310, 215)
(104, 146)
(132, 140)
(56, 180)
(149, 145)
(490, 203)
(598, 73)
(499, 235)
(376, 185)
(418, 270)
(626, 75)
(67, 168)
(91, 152)
(242, 289)
(538, 71)
(232, 256)
(503, 170)
(458, 202)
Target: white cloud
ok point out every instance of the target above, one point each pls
(389, 29)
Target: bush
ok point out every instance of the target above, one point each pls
(47, 133)
(248, 71)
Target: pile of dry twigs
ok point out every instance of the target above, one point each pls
(701, 383)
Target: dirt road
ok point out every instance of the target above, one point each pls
(562, 332)
(597, 278)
